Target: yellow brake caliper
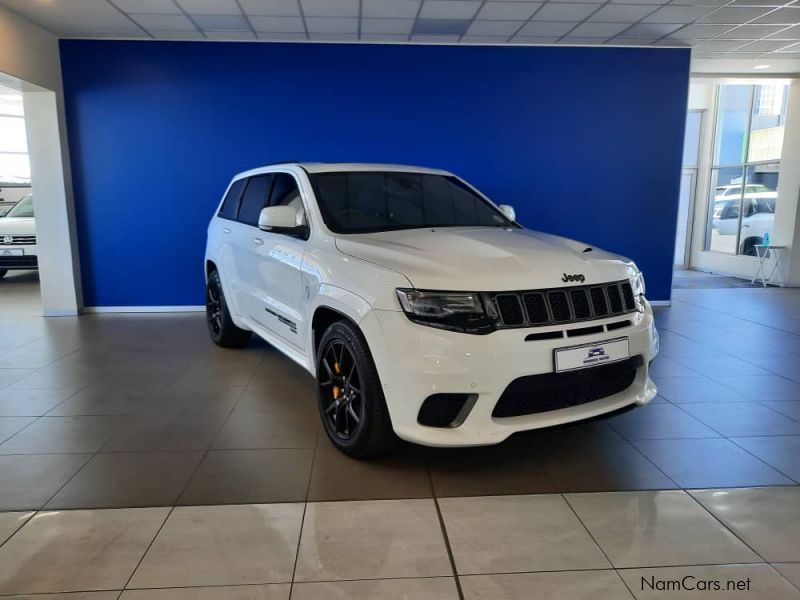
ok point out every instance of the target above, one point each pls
(337, 391)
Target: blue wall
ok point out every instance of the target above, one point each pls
(585, 142)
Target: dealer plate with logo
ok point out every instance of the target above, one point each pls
(591, 355)
(11, 252)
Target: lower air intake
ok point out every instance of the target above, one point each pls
(553, 391)
(441, 410)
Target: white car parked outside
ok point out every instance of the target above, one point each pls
(758, 219)
(18, 238)
(423, 309)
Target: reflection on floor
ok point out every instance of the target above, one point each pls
(580, 546)
(107, 423)
(19, 295)
(683, 279)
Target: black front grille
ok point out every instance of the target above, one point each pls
(563, 305)
(580, 303)
(536, 307)
(599, 302)
(18, 262)
(534, 394)
(511, 309)
(17, 240)
(559, 306)
(614, 299)
(627, 294)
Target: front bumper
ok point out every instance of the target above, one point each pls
(415, 361)
(11, 259)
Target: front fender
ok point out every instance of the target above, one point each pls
(350, 305)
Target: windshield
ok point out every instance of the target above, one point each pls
(23, 208)
(371, 201)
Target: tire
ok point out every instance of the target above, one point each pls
(344, 359)
(749, 246)
(220, 325)
(3, 273)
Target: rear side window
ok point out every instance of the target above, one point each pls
(231, 202)
(285, 192)
(255, 198)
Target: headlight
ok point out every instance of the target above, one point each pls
(456, 311)
(637, 283)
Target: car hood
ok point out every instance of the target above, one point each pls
(485, 259)
(17, 226)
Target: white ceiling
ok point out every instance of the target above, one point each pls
(717, 29)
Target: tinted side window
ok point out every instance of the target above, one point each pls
(285, 192)
(231, 202)
(254, 198)
(731, 211)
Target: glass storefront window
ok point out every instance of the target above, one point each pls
(758, 206)
(744, 178)
(13, 138)
(726, 198)
(733, 117)
(767, 121)
(14, 165)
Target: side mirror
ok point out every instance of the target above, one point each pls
(280, 218)
(508, 212)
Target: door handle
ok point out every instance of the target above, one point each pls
(226, 229)
(258, 241)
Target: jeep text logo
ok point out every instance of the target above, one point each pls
(575, 277)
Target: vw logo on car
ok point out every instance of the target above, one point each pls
(8, 239)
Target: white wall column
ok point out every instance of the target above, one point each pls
(787, 213)
(52, 198)
(31, 56)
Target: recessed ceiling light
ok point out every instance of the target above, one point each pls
(761, 67)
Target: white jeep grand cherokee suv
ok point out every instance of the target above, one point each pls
(422, 308)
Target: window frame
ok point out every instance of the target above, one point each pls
(250, 178)
(301, 233)
(743, 166)
(304, 233)
(26, 153)
(245, 181)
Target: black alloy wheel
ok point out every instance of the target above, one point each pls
(221, 327)
(340, 390)
(214, 307)
(350, 395)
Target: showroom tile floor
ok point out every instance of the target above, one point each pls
(606, 545)
(136, 456)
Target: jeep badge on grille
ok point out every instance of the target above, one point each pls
(574, 277)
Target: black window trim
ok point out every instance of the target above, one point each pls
(306, 231)
(249, 178)
(238, 200)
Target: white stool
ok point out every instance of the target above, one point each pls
(764, 253)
